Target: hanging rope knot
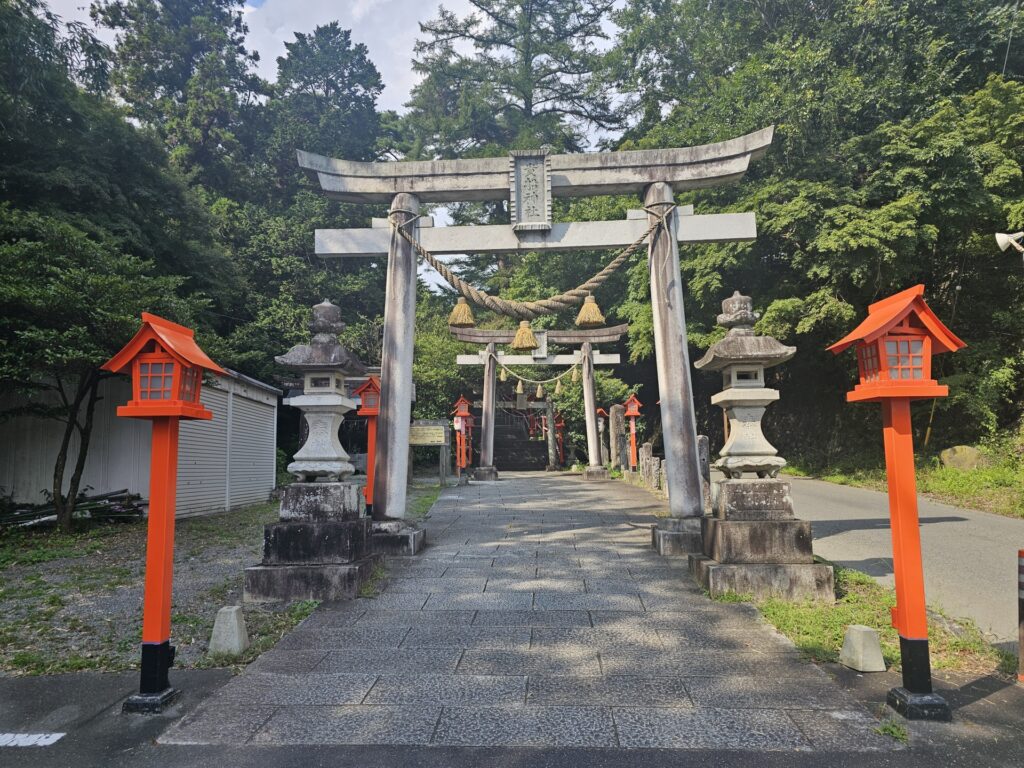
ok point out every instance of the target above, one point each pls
(528, 310)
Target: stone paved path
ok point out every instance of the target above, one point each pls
(537, 616)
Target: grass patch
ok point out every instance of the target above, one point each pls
(371, 587)
(894, 729)
(421, 498)
(818, 629)
(28, 546)
(226, 528)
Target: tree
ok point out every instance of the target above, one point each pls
(183, 68)
(530, 79)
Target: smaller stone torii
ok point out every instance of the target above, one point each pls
(586, 358)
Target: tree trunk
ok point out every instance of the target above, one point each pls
(87, 391)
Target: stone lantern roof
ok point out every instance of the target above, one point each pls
(740, 346)
(324, 352)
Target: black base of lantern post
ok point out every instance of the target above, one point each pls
(155, 691)
(915, 699)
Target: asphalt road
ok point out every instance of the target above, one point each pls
(970, 558)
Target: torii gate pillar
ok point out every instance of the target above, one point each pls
(680, 533)
(486, 470)
(392, 467)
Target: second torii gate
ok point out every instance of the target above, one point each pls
(529, 180)
(586, 358)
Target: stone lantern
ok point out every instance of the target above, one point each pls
(753, 543)
(742, 358)
(320, 548)
(324, 364)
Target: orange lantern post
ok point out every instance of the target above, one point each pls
(369, 406)
(166, 367)
(633, 406)
(462, 426)
(895, 344)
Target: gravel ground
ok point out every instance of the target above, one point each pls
(85, 611)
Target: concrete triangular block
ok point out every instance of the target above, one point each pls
(862, 649)
(229, 634)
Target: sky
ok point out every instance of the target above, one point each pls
(388, 28)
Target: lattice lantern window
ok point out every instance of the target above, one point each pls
(158, 377)
(324, 382)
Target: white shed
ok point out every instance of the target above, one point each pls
(227, 462)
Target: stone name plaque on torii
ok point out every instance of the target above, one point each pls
(655, 174)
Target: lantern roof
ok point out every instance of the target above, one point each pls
(370, 383)
(324, 352)
(633, 399)
(884, 314)
(740, 346)
(602, 412)
(177, 340)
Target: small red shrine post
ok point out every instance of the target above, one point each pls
(369, 406)
(895, 344)
(461, 424)
(633, 406)
(166, 367)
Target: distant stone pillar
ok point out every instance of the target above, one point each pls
(486, 470)
(392, 473)
(549, 416)
(680, 533)
(617, 431)
(595, 471)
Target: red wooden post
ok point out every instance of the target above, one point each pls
(895, 344)
(462, 426)
(166, 366)
(1020, 615)
(633, 405)
(369, 406)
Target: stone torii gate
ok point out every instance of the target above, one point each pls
(529, 180)
(586, 358)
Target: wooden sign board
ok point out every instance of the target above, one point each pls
(428, 433)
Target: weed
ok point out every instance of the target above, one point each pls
(421, 499)
(371, 587)
(734, 597)
(894, 729)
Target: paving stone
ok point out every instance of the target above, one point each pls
(705, 662)
(218, 723)
(550, 601)
(416, 618)
(613, 690)
(526, 727)
(350, 725)
(434, 585)
(683, 728)
(586, 637)
(496, 601)
(287, 662)
(468, 637)
(572, 586)
(759, 692)
(277, 689)
(345, 637)
(843, 730)
(481, 661)
(400, 601)
(449, 689)
(374, 661)
(601, 586)
(531, 618)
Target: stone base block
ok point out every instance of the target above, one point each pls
(862, 649)
(285, 583)
(314, 502)
(786, 581)
(596, 473)
(485, 474)
(229, 634)
(919, 706)
(757, 541)
(332, 541)
(462, 479)
(677, 537)
(403, 542)
(754, 500)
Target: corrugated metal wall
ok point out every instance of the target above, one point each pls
(223, 463)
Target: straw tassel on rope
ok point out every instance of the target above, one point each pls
(590, 314)
(525, 340)
(462, 315)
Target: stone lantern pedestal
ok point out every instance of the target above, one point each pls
(753, 543)
(320, 548)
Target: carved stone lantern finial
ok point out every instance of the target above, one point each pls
(324, 363)
(742, 357)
